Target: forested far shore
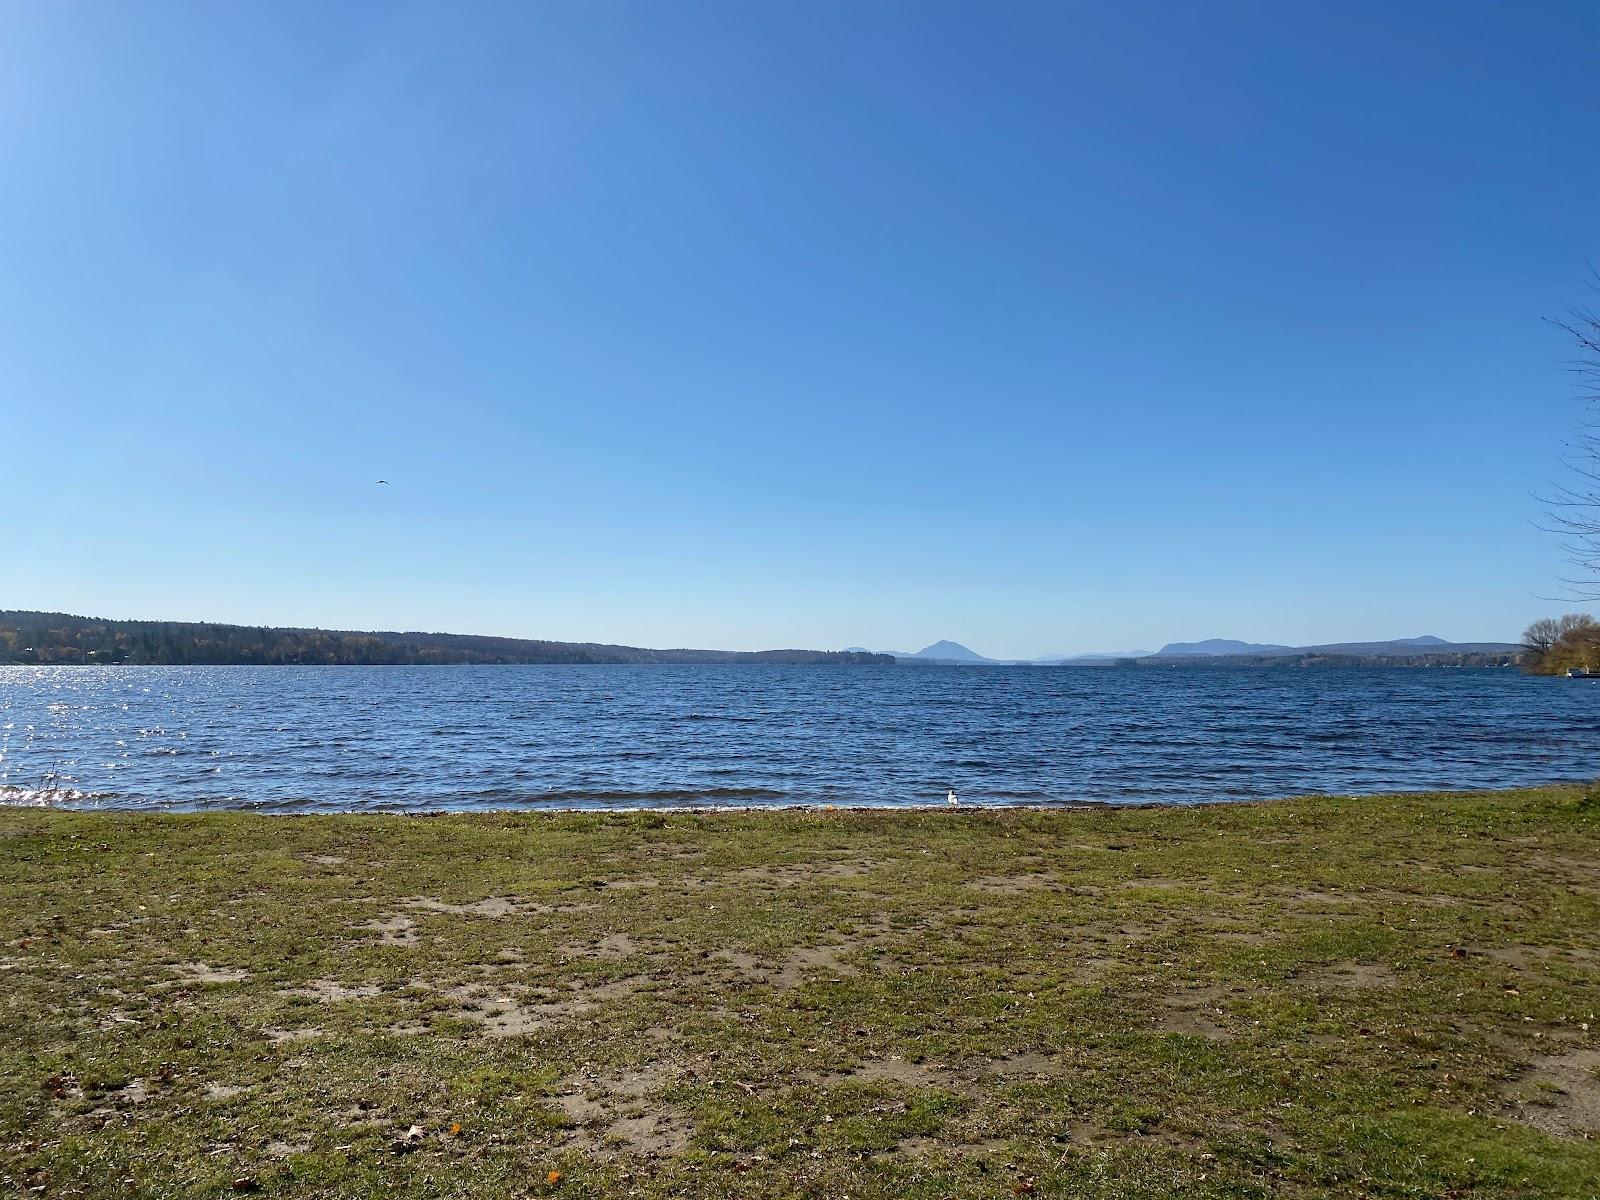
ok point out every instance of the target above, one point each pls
(1450, 658)
(1556, 645)
(60, 639)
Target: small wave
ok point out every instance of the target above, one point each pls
(50, 797)
(583, 796)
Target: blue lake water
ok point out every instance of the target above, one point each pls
(424, 738)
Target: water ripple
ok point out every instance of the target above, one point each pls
(305, 739)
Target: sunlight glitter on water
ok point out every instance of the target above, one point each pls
(295, 739)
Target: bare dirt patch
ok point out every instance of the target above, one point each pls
(1540, 958)
(510, 1019)
(504, 960)
(607, 949)
(653, 1134)
(1244, 937)
(814, 960)
(504, 1014)
(199, 972)
(279, 1037)
(1558, 1093)
(1518, 958)
(1315, 900)
(1160, 885)
(794, 969)
(1136, 933)
(490, 906)
(326, 860)
(135, 1091)
(793, 874)
(587, 995)
(398, 930)
(1567, 865)
(1195, 1022)
(894, 1070)
(744, 963)
(331, 991)
(1010, 885)
(620, 1111)
(677, 851)
(1197, 1014)
(501, 1014)
(1092, 968)
(923, 1147)
(1022, 1066)
(1399, 899)
(1358, 976)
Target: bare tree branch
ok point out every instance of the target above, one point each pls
(1573, 508)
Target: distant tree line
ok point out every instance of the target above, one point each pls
(1423, 658)
(62, 639)
(1554, 645)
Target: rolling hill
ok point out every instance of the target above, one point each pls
(61, 638)
(1426, 650)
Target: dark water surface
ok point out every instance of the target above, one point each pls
(360, 738)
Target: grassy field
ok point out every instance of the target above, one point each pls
(1391, 997)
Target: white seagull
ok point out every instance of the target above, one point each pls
(951, 798)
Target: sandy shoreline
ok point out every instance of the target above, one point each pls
(42, 800)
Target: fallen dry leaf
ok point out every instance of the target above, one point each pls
(409, 1142)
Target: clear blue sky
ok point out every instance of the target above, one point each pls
(1045, 327)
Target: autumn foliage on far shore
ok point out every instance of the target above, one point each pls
(1554, 645)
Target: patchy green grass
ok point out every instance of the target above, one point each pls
(1389, 997)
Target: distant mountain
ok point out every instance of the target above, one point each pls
(1397, 647)
(1404, 646)
(1415, 651)
(950, 652)
(1426, 650)
(940, 652)
(1215, 646)
(947, 652)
